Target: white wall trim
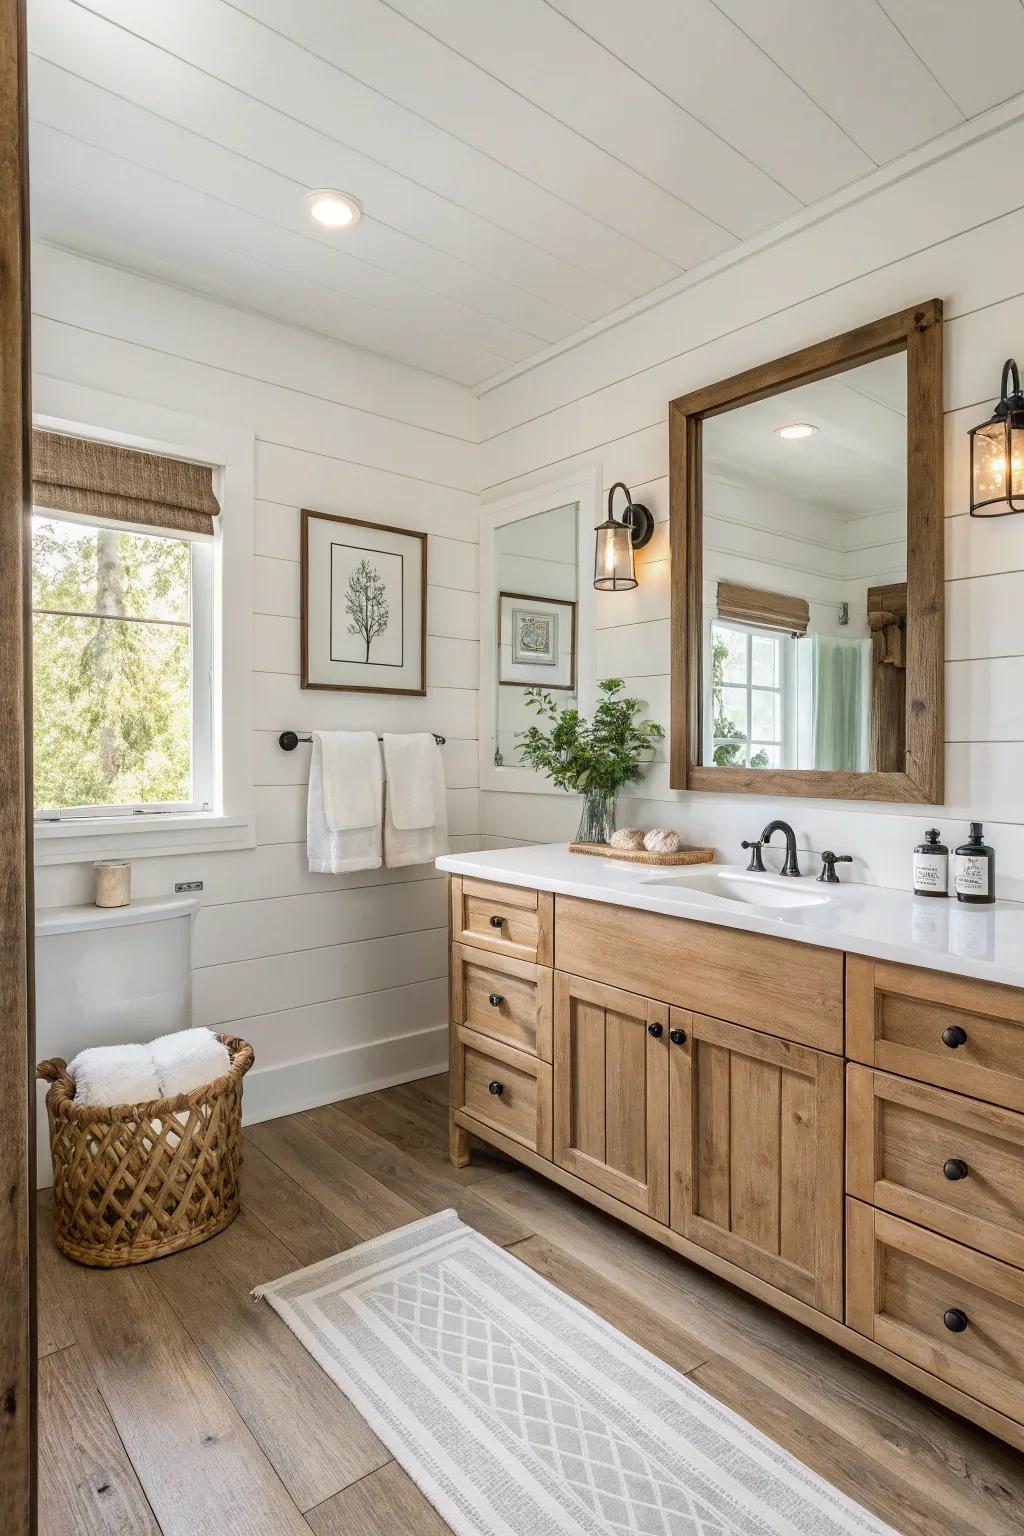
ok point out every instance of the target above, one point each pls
(584, 487)
(87, 412)
(294, 1086)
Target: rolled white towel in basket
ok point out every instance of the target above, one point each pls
(188, 1059)
(115, 1074)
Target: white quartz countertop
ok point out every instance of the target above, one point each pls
(943, 935)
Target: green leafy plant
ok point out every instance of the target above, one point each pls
(599, 755)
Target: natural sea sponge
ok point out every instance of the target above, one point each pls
(662, 840)
(627, 838)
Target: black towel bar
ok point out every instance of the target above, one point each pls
(289, 740)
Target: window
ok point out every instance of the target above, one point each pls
(122, 642)
(750, 696)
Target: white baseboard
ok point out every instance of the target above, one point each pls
(286, 1090)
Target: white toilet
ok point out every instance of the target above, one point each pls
(109, 976)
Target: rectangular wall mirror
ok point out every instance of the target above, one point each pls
(807, 573)
(536, 619)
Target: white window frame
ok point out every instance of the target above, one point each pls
(584, 488)
(786, 689)
(230, 821)
(201, 735)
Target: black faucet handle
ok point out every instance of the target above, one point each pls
(829, 860)
(756, 865)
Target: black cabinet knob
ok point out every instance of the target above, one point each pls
(954, 1036)
(955, 1168)
(496, 1088)
(657, 1030)
(495, 999)
(677, 1036)
(496, 922)
(955, 1320)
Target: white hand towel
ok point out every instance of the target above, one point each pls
(345, 802)
(111, 1075)
(187, 1059)
(416, 811)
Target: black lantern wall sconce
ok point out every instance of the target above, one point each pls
(997, 452)
(614, 570)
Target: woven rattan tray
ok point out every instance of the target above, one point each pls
(641, 856)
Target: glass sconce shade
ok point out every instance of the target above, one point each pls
(614, 567)
(997, 453)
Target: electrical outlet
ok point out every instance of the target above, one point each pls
(181, 886)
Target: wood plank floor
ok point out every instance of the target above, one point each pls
(172, 1403)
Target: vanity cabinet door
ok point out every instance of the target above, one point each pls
(610, 1081)
(757, 1154)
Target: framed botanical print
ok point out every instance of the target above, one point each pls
(536, 641)
(364, 606)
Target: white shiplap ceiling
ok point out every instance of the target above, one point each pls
(526, 166)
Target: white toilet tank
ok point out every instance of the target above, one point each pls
(109, 976)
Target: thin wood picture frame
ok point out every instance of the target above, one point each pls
(551, 602)
(418, 541)
(917, 332)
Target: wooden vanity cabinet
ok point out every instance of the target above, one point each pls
(735, 1096)
(756, 1143)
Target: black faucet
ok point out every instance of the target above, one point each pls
(790, 867)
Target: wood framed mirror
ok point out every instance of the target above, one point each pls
(808, 601)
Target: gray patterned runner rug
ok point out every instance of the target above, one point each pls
(518, 1412)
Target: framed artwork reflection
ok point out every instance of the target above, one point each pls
(536, 641)
(364, 606)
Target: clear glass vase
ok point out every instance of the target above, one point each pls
(597, 821)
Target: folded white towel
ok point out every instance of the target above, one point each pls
(344, 804)
(416, 810)
(188, 1059)
(115, 1074)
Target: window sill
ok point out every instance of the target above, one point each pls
(122, 837)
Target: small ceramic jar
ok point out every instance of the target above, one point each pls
(113, 882)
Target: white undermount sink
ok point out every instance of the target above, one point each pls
(752, 890)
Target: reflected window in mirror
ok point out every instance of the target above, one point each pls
(804, 575)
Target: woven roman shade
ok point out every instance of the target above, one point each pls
(79, 474)
(772, 610)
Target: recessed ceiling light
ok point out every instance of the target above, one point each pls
(796, 429)
(336, 210)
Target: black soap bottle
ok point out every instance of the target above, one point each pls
(975, 869)
(931, 866)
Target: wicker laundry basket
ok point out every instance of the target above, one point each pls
(140, 1181)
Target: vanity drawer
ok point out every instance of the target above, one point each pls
(508, 919)
(948, 1163)
(770, 984)
(503, 1088)
(905, 1287)
(960, 1034)
(507, 999)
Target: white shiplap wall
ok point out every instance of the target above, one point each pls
(338, 981)
(949, 228)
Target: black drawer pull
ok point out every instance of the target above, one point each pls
(955, 1168)
(657, 1030)
(677, 1036)
(496, 1088)
(955, 1320)
(496, 922)
(954, 1036)
(495, 999)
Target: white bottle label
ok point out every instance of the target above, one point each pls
(931, 872)
(971, 875)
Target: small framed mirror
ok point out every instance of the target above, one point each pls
(807, 571)
(536, 618)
